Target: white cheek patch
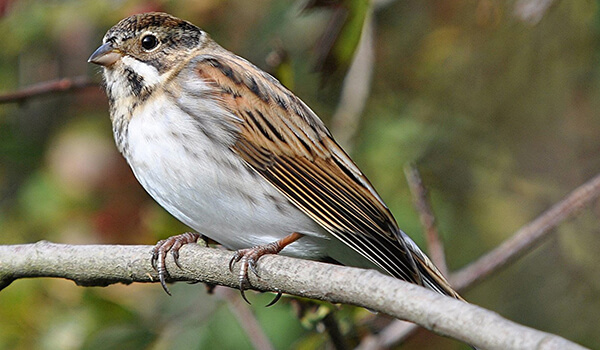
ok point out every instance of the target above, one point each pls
(148, 72)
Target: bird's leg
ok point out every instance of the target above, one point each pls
(249, 258)
(172, 245)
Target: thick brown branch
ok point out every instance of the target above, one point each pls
(45, 88)
(98, 265)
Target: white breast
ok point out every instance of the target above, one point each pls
(207, 186)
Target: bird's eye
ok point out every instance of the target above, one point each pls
(149, 42)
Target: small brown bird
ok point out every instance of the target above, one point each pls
(232, 153)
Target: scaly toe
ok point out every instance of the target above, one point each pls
(172, 245)
(248, 259)
(236, 258)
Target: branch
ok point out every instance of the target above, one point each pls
(522, 241)
(528, 236)
(246, 319)
(102, 265)
(46, 88)
(420, 196)
(356, 87)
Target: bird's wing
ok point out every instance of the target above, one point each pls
(284, 141)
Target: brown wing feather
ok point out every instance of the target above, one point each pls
(284, 141)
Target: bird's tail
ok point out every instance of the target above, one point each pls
(431, 276)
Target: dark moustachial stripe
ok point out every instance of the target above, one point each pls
(136, 81)
(138, 86)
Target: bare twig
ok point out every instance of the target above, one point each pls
(528, 236)
(246, 319)
(356, 88)
(335, 334)
(421, 201)
(395, 333)
(46, 88)
(103, 265)
(522, 241)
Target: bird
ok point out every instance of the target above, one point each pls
(229, 151)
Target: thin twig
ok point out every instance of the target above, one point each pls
(335, 334)
(356, 88)
(398, 331)
(395, 333)
(46, 88)
(522, 241)
(246, 319)
(528, 236)
(421, 201)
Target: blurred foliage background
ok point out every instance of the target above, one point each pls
(496, 103)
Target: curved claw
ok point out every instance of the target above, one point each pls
(158, 262)
(172, 245)
(249, 258)
(234, 259)
(175, 254)
(244, 295)
(163, 282)
(252, 262)
(275, 300)
(154, 257)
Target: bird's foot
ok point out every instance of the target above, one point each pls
(170, 245)
(248, 259)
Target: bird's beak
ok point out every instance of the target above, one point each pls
(105, 55)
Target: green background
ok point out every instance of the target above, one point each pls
(500, 114)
